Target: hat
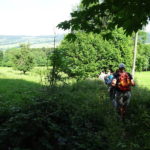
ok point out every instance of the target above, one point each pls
(121, 65)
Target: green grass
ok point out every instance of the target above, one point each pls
(35, 75)
(73, 116)
(17, 89)
(142, 79)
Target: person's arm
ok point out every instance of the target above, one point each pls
(131, 79)
(114, 82)
(132, 82)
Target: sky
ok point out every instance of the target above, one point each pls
(34, 17)
(147, 28)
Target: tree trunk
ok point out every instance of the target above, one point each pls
(24, 72)
(134, 53)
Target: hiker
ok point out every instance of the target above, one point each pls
(108, 78)
(102, 76)
(122, 82)
(108, 81)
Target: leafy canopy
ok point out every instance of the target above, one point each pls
(143, 57)
(90, 54)
(23, 60)
(95, 16)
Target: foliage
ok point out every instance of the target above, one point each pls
(1, 57)
(40, 56)
(90, 53)
(143, 58)
(142, 37)
(8, 57)
(123, 44)
(139, 119)
(95, 16)
(143, 54)
(54, 74)
(23, 60)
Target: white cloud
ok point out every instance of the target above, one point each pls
(147, 27)
(33, 17)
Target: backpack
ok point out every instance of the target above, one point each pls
(109, 79)
(124, 82)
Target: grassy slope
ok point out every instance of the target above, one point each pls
(18, 89)
(77, 116)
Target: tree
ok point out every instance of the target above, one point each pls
(142, 37)
(1, 57)
(90, 54)
(143, 57)
(23, 60)
(40, 56)
(8, 57)
(94, 16)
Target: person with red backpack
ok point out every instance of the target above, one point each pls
(122, 82)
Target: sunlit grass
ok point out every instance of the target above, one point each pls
(143, 79)
(17, 89)
(36, 75)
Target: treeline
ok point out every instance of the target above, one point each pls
(87, 54)
(84, 55)
(24, 57)
(143, 57)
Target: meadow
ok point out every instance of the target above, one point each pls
(17, 89)
(72, 116)
(142, 79)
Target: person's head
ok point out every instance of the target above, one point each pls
(121, 66)
(117, 70)
(102, 72)
(111, 71)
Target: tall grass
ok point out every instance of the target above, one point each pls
(74, 116)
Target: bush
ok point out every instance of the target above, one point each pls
(89, 54)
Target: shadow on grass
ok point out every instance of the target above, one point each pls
(138, 119)
(74, 117)
(14, 92)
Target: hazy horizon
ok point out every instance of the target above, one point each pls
(35, 35)
(34, 17)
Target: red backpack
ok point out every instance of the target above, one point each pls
(124, 81)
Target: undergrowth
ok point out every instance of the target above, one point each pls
(77, 116)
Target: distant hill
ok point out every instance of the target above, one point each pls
(11, 41)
